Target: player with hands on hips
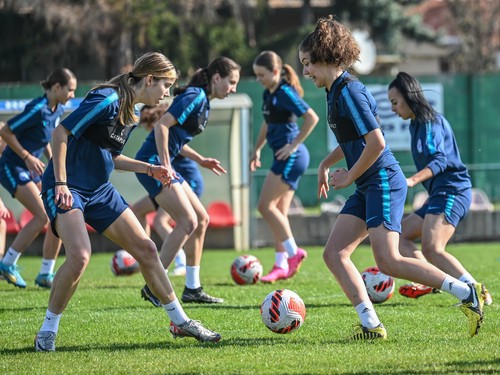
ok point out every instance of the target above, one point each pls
(76, 190)
(282, 104)
(377, 205)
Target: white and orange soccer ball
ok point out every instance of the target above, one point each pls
(380, 287)
(283, 311)
(123, 264)
(246, 269)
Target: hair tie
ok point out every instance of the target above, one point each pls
(130, 75)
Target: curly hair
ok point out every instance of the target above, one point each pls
(331, 42)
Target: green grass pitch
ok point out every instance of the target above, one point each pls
(108, 329)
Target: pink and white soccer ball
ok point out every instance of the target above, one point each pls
(380, 287)
(123, 264)
(246, 269)
(283, 311)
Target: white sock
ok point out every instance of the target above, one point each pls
(51, 322)
(193, 277)
(367, 315)
(467, 278)
(180, 259)
(47, 266)
(11, 257)
(453, 286)
(281, 260)
(175, 312)
(290, 246)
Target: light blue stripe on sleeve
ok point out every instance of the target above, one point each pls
(294, 97)
(98, 108)
(358, 120)
(31, 113)
(201, 96)
(429, 140)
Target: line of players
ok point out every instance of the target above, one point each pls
(375, 208)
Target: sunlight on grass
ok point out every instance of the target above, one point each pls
(108, 329)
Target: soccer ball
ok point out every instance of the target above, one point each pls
(283, 311)
(246, 269)
(379, 286)
(123, 264)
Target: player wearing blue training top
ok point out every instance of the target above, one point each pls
(376, 207)
(146, 206)
(282, 104)
(27, 136)
(444, 176)
(185, 118)
(76, 189)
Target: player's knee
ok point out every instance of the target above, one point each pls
(203, 220)
(187, 224)
(146, 253)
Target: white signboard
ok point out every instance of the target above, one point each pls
(396, 129)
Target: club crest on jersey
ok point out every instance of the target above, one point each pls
(419, 146)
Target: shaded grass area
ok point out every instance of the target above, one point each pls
(108, 329)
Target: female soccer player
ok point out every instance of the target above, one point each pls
(76, 189)
(27, 136)
(187, 169)
(376, 207)
(444, 176)
(186, 117)
(282, 104)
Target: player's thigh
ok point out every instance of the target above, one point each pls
(127, 232)
(347, 233)
(272, 190)
(176, 203)
(198, 207)
(436, 232)
(411, 227)
(72, 231)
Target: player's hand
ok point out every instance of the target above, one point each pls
(255, 161)
(4, 211)
(339, 179)
(63, 197)
(323, 186)
(35, 165)
(162, 174)
(285, 152)
(213, 165)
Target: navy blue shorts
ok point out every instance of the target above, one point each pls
(100, 208)
(12, 177)
(454, 206)
(152, 185)
(380, 200)
(292, 169)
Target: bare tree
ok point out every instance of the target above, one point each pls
(477, 26)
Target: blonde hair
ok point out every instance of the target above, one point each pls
(152, 63)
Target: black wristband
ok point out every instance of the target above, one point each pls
(27, 156)
(61, 183)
